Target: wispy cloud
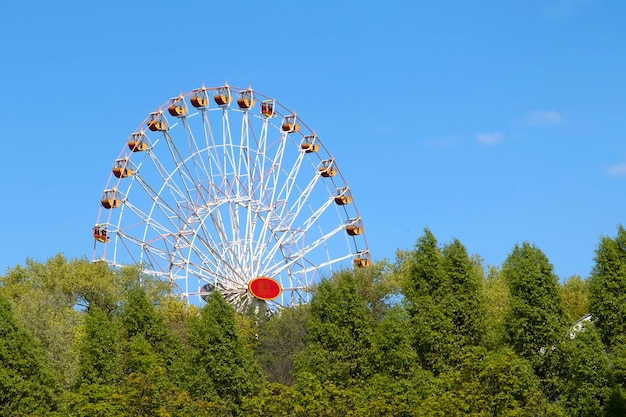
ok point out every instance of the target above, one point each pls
(617, 170)
(541, 118)
(489, 138)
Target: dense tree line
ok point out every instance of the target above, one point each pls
(434, 332)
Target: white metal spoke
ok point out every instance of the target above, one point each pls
(216, 195)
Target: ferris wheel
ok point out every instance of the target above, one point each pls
(211, 193)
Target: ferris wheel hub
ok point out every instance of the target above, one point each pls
(264, 288)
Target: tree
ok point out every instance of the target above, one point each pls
(43, 303)
(496, 293)
(535, 320)
(464, 303)
(443, 295)
(607, 287)
(281, 337)
(221, 366)
(393, 352)
(575, 296)
(426, 288)
(586, 382)
(98, 350)
(497, 383)
(340, 334)
(28, 385)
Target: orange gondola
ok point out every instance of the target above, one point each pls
(327, 168)
(121, 168)
(222, 96)
(290, 124)
(199, 99)
(355, 227)
(309, 144)
(245, 99)
(110, 199)
(362, 260)
(177, 107)
(137, 143)
(343, 196)
(156, 122)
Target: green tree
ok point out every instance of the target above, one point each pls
(426, 288)
(393, 351)
(607, 288)
(282, 336)
(221, 366)
(443, 295)
(585, 388)
(575, 298)
(28, 386)
(464, 303)
(43, 303)
(340, 335)
(497, 383)
(496, 295)
(98, 350)
(535, 320)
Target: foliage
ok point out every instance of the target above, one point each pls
(535, 319)
(339, 339)
(221, 366)
(280, 339)
(585, 388)
(575, 295)
(497, 383)
(607, 287)
(28, 385)
(436, 333)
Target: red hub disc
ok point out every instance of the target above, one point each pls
(264, 288)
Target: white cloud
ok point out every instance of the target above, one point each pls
(617, 170)
(541, 118)
(489, 138)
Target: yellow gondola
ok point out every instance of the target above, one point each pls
(290, 124)
(327, 169)
(222, 96)
(355, 227)
(156, 123)
(245, 99)
(343, 196)
(136, 142)
(110, 199)
(309, 144)
(121, 168)
(177, 108)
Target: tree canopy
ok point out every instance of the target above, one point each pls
(433, 332)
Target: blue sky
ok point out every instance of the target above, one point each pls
(491, 122)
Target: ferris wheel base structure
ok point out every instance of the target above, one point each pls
(215, 194)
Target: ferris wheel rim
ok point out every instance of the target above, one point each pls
(292, 264)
